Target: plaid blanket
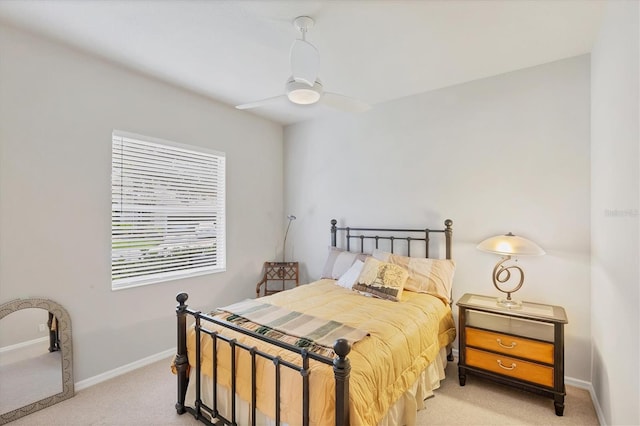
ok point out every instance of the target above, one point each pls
(305, 331)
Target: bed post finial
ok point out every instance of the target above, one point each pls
(448, 231)
(181, 298)
(341, 371)
(181, 362)
(334, 230)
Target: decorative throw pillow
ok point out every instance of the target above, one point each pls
(339, 261)
(382, 279)
(349, 278)
(432, 276)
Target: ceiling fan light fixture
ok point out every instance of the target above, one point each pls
(302, 94)
(299, 90)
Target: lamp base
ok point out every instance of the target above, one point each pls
(509, 303)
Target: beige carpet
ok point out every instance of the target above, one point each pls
(147, 397)
(482, 402)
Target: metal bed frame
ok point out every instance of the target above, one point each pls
(341, 364)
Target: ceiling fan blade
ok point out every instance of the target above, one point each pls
(262, 102)
(344, 103)
(305, 62)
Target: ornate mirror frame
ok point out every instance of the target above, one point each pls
(66, 348)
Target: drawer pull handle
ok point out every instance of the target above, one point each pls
(513, 365)
(513, 344)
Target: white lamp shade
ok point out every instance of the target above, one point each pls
(510, 245)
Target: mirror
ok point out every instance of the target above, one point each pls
(36, 357)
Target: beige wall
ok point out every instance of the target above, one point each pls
(615, 202)
(506, 153)
(58, 108)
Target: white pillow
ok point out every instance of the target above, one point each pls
(338, 262)
(349, 278)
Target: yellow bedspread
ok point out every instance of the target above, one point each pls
(404, 338)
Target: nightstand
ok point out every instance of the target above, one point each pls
(276, 276)
(523, 347)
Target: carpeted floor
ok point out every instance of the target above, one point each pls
(482, 402)
(147, 397)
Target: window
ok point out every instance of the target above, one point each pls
(167, 211)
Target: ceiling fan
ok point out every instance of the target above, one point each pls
(304, 87)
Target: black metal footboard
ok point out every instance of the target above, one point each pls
(341, 369)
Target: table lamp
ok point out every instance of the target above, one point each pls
(509, 245)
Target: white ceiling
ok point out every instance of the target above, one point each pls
(373, 50)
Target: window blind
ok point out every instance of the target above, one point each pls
(167, 211)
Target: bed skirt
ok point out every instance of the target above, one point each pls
(402, 412)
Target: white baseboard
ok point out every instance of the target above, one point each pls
(596, 405)
(578, 383)
(24, 344)
(583, 384)
(83, 384)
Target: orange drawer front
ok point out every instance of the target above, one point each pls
(511, 367)
(510, 345)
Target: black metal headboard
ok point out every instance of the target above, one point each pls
(409, 236)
